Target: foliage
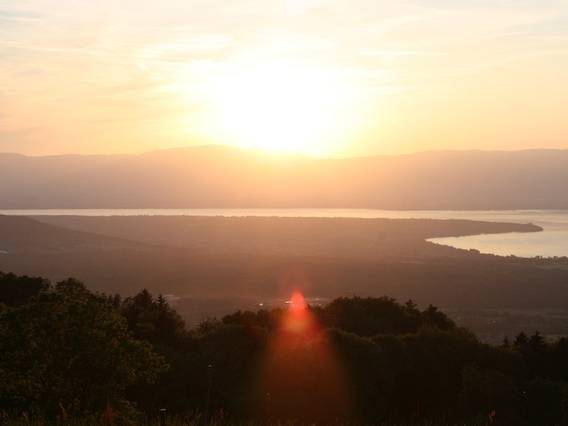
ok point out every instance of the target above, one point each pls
(16, 290)
(67, 353)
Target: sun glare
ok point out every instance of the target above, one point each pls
(280, 107)
(299, 353)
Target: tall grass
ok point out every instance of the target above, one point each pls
(181, 421)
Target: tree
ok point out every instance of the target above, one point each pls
(486, 391)
(371, 316)
(434, 317)
(69, 350)
(153, 319)
(16, 290)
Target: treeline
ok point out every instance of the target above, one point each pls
(67, 353)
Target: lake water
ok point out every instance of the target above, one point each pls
(553, 241)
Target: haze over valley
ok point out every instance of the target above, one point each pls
(216, 176)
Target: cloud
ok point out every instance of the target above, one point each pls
(135, 59)
(397, 53)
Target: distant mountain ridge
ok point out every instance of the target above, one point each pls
(223, 177)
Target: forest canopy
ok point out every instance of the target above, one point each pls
(69, 353)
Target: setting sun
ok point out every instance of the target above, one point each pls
(280, 107)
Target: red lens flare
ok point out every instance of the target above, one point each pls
(301, 375)
(298, 320)
(297, 302)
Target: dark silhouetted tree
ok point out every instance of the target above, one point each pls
(69, 350)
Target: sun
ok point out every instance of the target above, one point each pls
(280, 107)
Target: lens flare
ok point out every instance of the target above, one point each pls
(301, 375)
(297, 302)
(298, 320)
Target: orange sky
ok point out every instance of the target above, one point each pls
(330, 78)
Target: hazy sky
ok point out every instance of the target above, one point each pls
(335, 77)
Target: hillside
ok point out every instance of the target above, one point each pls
(332, 237)
(264, 258)
(211, 266)
(25, 236)
(215, 176)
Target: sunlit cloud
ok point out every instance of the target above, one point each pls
(150, 66)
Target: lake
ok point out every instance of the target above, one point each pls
(553, 241)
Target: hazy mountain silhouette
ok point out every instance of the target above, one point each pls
(217, 176)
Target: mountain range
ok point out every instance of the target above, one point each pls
(225, 177)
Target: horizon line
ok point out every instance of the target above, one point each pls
(269, 153)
